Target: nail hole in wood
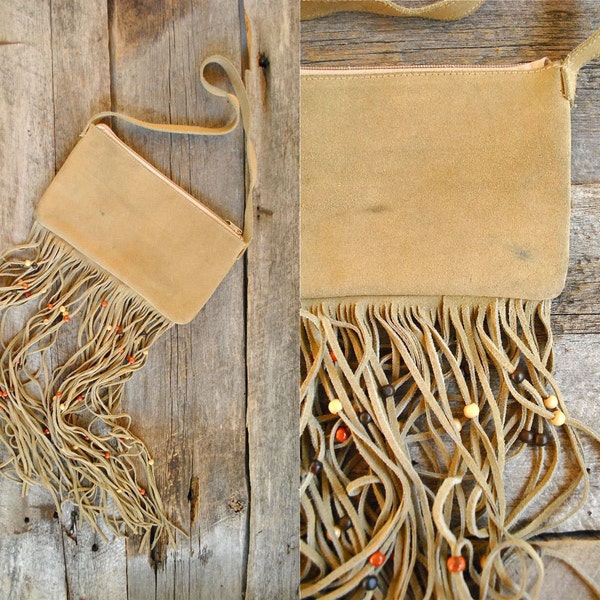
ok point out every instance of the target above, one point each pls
(26, 519)
(94, 547)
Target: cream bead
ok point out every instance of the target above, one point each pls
(27, 263)
(559, 418)
(471, 410)
(335, 406)
(457, 424)
(337, 531)
(551, 402)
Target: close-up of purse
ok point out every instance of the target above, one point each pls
(118, 254)
(435, 216)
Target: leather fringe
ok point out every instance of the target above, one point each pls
(395, 463)
(61, 425)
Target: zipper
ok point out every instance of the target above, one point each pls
(530, 66)
(228, 224)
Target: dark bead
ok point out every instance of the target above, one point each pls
(370, 582)
(527, 436)
(316, 466)
(365, 418)
(518, 376)
(35, 266)
(387, 390)
(345, 523)
(541, 439)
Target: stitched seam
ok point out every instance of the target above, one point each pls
(424, 73)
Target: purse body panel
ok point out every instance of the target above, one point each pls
(121, 213)
(435, 181)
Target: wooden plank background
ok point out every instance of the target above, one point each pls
(505, 32)
(218, 402)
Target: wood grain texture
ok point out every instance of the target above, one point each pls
(195, 405)
(501, 32)
(273, 308)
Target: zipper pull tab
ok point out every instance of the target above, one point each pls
(235, 228)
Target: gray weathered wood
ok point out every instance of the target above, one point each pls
(273, 304)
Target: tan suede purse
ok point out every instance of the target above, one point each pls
(435, 232)
(118, 254)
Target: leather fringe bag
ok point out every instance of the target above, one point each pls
(117, 255)
(435, 232)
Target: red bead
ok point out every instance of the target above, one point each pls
(456, 564)
(27, 294)
(130, 360)
(47, 431)
(79, 398)
(104, 303)
(87, 438)
(333, 356)
(58, 394)
(107, 455)
(342, 434)
(377, 558)
(66, 318)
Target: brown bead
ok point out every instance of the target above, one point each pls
(541, 439)
(456, 564)
(365, 418)
(345, 523)
(387, 390)
(316, 466)
(527, 436)
(518, 376)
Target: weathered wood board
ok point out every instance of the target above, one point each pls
(218, 402)
(506, 32)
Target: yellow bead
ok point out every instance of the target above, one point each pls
(559, 418)
(151, 461)
(46, 321)
(109, 328)
(62, 309)
(457, 424)
(471, 410)
(62, 406)
(75, 447)
(551, 402)
(335, 406)
(145, 352)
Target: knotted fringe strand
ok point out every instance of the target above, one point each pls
(403, 472)
(61, 425)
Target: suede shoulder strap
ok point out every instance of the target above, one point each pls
(580, 56)
(442, 10)
(241, 106)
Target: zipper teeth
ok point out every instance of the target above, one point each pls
(516, 66)
(227, 224)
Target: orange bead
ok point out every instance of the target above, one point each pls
(25, 286)
(66, 318)
(27, 294)
(87, 438)
(79, 398)
(142, 491)
(130, 360)
(117, 329)
(377, 558)
(59, 394)
(104, 303)
(50, 306)
(333, 356)
(342, 434)
(47, 431)
(107, 455)
(456, 564)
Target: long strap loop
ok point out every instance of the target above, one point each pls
(241, 106)
(442, 10)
